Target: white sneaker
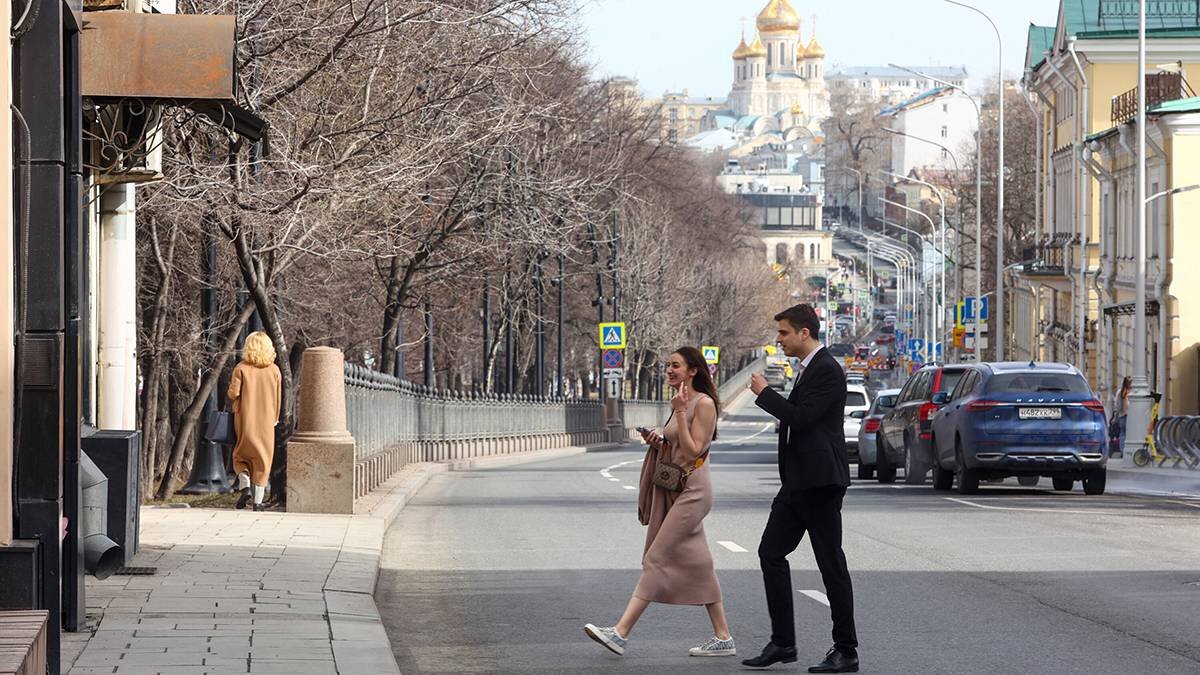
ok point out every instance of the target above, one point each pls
(607, 637)
(714, 647)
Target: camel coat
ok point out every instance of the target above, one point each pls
(254, 394)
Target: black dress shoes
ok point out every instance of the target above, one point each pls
(836, 662)
(245, 497)
(772, 654)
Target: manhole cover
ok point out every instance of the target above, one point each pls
(137, 571)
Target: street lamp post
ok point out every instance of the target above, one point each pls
(999, 319)
(940, 320)
(938, 327)
(978, 174)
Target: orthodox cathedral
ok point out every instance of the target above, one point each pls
(778, 79)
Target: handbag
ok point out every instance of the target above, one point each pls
(670, 476)
(219, 428)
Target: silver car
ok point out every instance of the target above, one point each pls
(885, 399)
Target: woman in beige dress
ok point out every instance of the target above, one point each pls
(677, 565)
(254, 394)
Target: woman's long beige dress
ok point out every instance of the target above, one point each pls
(677, 566)
(254, 392)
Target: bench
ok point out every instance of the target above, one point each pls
(23, 642)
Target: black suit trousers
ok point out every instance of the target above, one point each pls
(817, 511)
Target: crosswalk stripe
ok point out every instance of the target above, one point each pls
(816, 595)
(732, 546)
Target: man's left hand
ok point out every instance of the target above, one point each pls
(757, 383)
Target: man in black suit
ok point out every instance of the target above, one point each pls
(815, 472)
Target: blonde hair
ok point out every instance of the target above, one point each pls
(258, 350)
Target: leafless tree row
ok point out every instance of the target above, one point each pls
(425, 156)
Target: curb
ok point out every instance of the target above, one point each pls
(350, 589)
(1186, 482)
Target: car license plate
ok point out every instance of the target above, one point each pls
(1039, 413)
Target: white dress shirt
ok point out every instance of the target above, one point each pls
(805, 363)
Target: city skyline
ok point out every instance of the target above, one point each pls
(634, 39)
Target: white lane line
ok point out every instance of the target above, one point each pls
(732, 546)
(770, 426)
(614, 480)
(816, 595)
(1016, 508)
(628, 487)
(605, 473)
(1194, 505)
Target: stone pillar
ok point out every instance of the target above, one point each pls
(321, 452)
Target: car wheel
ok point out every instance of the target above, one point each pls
(865, 471)
(1028, 481)
(1094, 483)
(1063, 484)
(943, 479)
(968, 479)
(885, 471)
(914, 472)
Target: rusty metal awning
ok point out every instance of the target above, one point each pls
(180, 59)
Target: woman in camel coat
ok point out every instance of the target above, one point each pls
(254, 394)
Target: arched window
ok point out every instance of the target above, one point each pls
(812, 251)
(800, 252)
(781, 254)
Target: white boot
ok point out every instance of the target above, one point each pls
(243, 480)
(258, 491)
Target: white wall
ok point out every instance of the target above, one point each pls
(952, 115)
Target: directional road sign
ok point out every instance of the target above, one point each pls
(613, 358)
(612, 335)
(711, 354)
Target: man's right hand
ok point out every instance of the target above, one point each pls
(757, 383)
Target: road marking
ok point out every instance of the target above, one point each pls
(816, 595)
(615, 480)
(1194, 505)
(1016, 508)
(766, 427)
(606, 472)
(628, 487)
(732, 546)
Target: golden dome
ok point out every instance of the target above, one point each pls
(757, 49)
(742, 51)
(814, 50)
(777, 16)
(797, 109)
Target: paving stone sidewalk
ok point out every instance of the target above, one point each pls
(246, 592)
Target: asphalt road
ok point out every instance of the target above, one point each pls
(496, 571)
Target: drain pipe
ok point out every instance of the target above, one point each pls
(1103, 291)
(1084, 204)
(101, 556)
(1049, 216)
(1074, 198)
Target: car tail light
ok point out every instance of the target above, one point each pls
(982, 405)
(872, 425)
(1094, 405)
(927, 410)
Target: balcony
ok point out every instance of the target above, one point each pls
(1160, 88)
(1049, 258)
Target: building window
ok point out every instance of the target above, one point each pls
(945, 107)
(672, 136)
(812, 251)
(945, 132)
(781, 254)
(673, 114)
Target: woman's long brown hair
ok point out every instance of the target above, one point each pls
(702, 382)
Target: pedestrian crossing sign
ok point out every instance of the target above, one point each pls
(711, 354)
(612, 335)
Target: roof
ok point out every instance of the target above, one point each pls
(919, 99)
(1182, 105)
(940, 72)
(1040, 40)
(1100, 19)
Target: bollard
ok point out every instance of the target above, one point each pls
(321, 467)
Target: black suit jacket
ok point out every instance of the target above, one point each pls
(812, 447)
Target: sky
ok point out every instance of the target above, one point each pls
(670, 45)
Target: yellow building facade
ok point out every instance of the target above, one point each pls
(1072, 296)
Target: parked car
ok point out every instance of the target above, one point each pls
(885, 338)
(903, 438)
(885, 400)
(841, 350)
(776, 376)
(1020, 419)
(858, 402)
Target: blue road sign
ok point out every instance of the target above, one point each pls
(969, 308)
(915, 344)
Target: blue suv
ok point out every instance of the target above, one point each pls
(1019, 419)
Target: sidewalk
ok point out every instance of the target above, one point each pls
(1179, 480)
(245, 592)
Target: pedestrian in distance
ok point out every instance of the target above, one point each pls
(814, 473)
(254, 394)
(677, 565)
